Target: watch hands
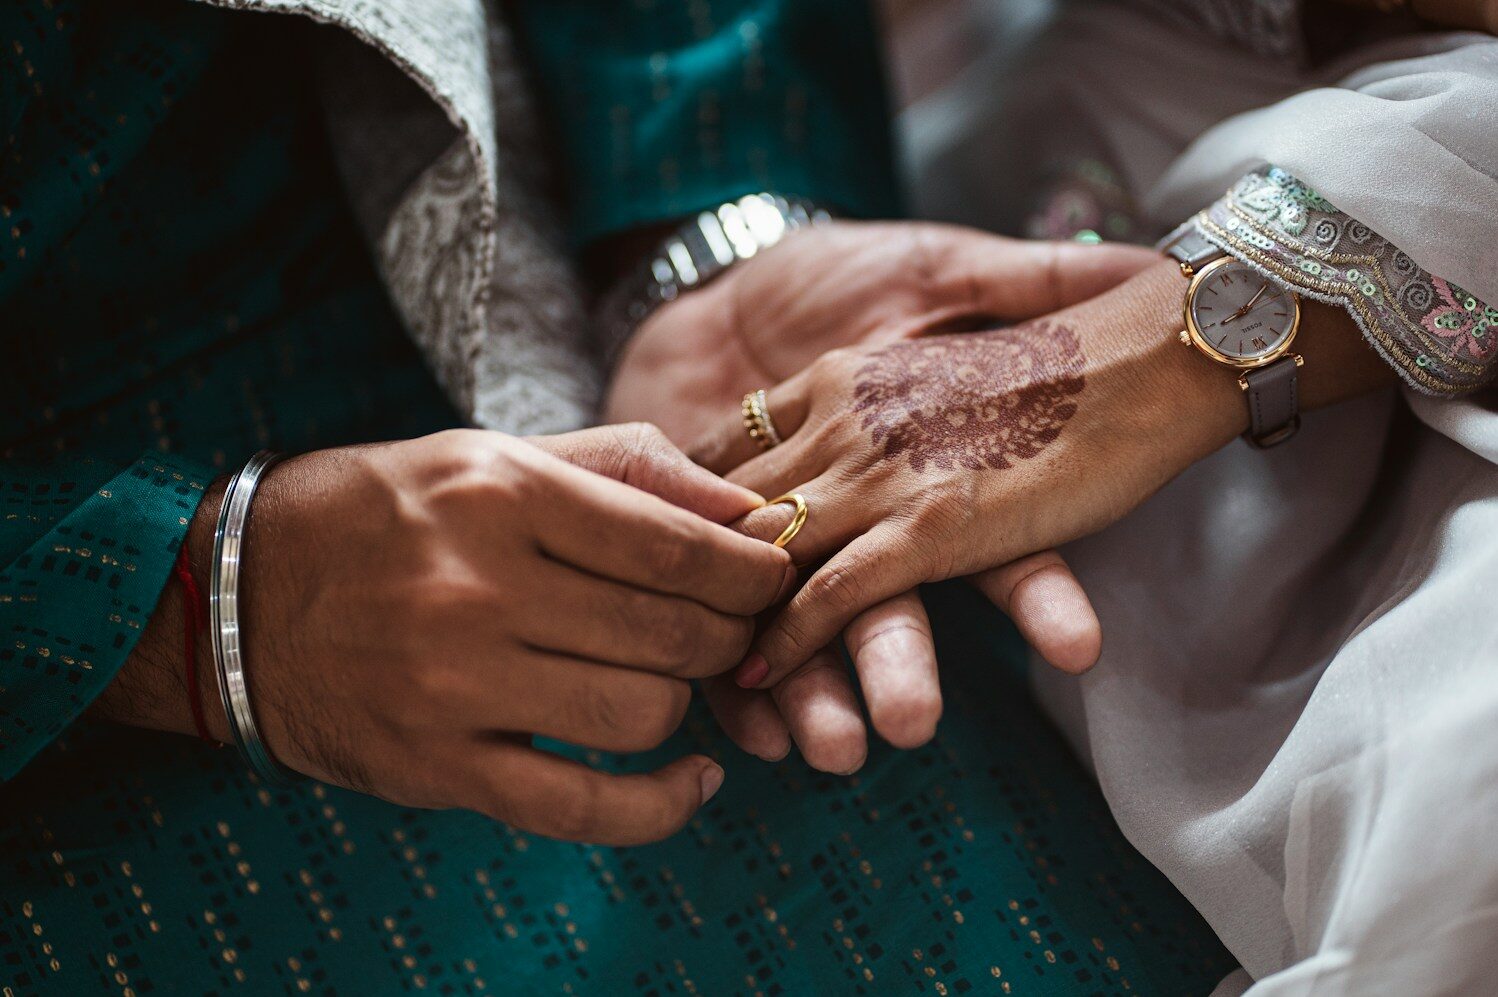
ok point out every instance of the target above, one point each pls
(1246, 308)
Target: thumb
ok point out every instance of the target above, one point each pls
(639, 455)
(1014, 280)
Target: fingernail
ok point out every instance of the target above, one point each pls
(752, 672)
(712, 778)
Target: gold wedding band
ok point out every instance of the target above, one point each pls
(757, 420)
(797, 521)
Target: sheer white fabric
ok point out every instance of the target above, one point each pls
(1296, 714)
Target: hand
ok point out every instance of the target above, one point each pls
(936, 458)
(416, 611)
(769, 317)
(945, 456)
(841, 284)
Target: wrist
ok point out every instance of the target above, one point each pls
(1178, 401)
(1196, 405)
(151, 690)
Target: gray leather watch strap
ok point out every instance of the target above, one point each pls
(1273, 402)
(1189, 246)
(1273, 390)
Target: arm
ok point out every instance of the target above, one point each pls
(86, 548)
(941, 457)
(458, 595)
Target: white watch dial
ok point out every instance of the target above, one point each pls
(1242, 314)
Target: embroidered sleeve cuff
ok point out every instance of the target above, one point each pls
(1442, 340)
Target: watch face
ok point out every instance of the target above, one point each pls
(1241, 314)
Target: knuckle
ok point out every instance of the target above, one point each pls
(720, 643)
(486, 789)
(570, 816)
(628, 444)
(435, 682)
(838, 586)
(644, 437)
(792, 634)
(599, 711)
(670, 552)
(440, 605)
(662, 716)
(1052, 272)
(835, 360)
(946, 509)
(677, 642)
(926, 258)
(494, 802)
(474, 479)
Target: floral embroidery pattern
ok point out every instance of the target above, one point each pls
(1440, 338)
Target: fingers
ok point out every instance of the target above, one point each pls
(837, 510)
(1016, 279)
(749, 717)
(580, 702)
(558, 798)
(618, 624)
(819, 707)
(639, 455)
(635, 538)
(876, 566)
(729, 444)
(1050, 608)
(895, 657)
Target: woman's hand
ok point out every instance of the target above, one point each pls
(768, 318)
(940, 457)
(414, 612)
(946, 456)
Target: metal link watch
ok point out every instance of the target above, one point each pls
(696, 253)
(1244, 320)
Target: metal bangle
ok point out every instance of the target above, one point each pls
(223, 619)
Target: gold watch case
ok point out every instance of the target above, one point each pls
(1192, 334)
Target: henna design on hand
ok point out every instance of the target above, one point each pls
(976, 400)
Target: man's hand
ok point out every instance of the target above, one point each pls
(842, 284)
(768, 318)
(415, 612)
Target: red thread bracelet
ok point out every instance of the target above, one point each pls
(192, 613)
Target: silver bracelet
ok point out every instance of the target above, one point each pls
(223, 619)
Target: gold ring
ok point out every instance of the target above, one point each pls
(797, 521)
(757, 420)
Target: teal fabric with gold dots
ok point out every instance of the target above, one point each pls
(181, 285)
(664, 107)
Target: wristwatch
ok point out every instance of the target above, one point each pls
(1243, 320)
(696, 253)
